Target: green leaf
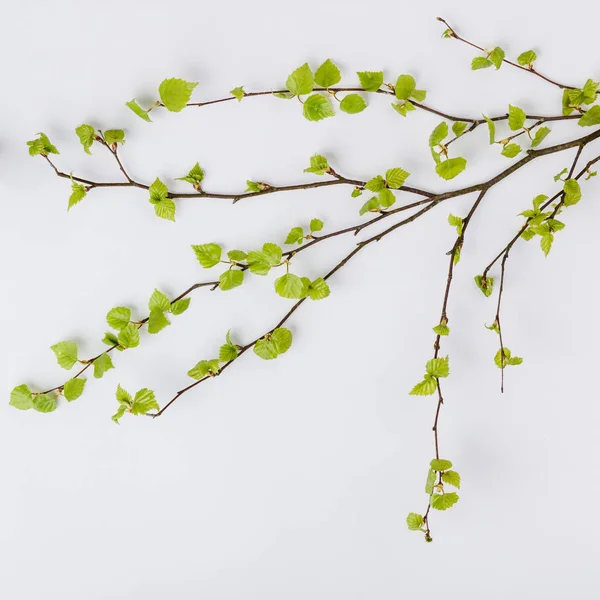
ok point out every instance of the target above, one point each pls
(404, 108)
(356, 192)
(86, 135)
(480, 62)
(273, 253)
(430, 481)
(395, 178)
(371, 205)
(516, 117)
(438, 367)
(589, 91)
(526, 58)
(118, 317)
(237, 255)
(143, 402)
(438, 134)
(129, 336)
(238, 92)
(180, 306)
(176, 93)
(572, 192)
(450, 168)
(546, 243)
(414, 521)
(204, 368)
(157, 321)
(497, 56)
(290, 286)
(158, 191)
(559, 175)
(208, 255)
(228, 351)
(456, 222)
(195, 176)
(511, 150)
(458, 128)
(352, 104)
(265, 349)
(21, 397)
(44, 403)
(282, 339)
(508, 359)
(123, 397)
(376, 184)
(42, 146)
(66, 354)
(284, 95)
(165, 209)
(485, 285)
(371, 81)
(327, 74)
(110, 339)
(451, 478)
(317, 108)
(102, 364)
(444, 501)
(491, 129)
(540, 136)
(301, 81)
(405, 86)
(78, 193)
(419, 95)
(318, 165)
(74, 388)
(439, 464)
(442, 329)
(138, 110)
(493, 327)
(425, 387)
(295, 236)
(114, 136)
(316, 225)
(159, 301)
(590, 117)
(120, 412)
(231, 279)
(318, 289)
(386, 198)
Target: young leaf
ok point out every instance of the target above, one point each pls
(180, 306)
(386, 198)
(546, 243)
(480, 62)
(371, 81)
(165, 209)
(204, 368)
(157, 321)
(516, 117)
(511, 150)
(371, 205)
(44, 403)
(426, 387)
(444, 501)
(282, 339)
(301, 81)
(441, 329)
(208, 255)
(291, 286)
(318, 289)
(508, 358)
(138, 110)
(405, 86)
(129, 336)
(238, 92)
(431, 476)
(491, 129)
(590, 117)
(78, 193)
(438, 134)
(395, 178)
(438, 367)
(450, 168)
(118, 317)
(41, 146)
(143, 402)
(376, 184)
(497, 56)
(176, 93)
(414, 521)
(237, 255)
(66, 354)
(526, 58)
(295, 236)
(231, 279)
(485, 285)
(158, 191)
(21, 397)
(318, 165)
(74, 388)
(86, 135)
(114, 136)
(120, 412)
(572, 192)
(456, 222)
(540, 136)
(228, 350)
(327, 74)
(102, 364)
(315, 225)
(458, 128)
(317, 108)
(195, 176)
(440, 464)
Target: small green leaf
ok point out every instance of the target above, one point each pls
(273, 253)
(371, 81)
(590, 117)
(159, 301)
(327, 74)
(456, 222)
(508, 358)
(238, 92)
(439, 464)
(165, 209)
(44, 403)
(491, 129)
(395, 178)
(356, 192)
(204, 368)
(78, 193)
(546, 243)
(138, 110)
(66, 354)
(123, 397)
(237, 255)
(425, 387)
(386, 198)
(21, 397)
(180, 306)
(41, 146)
(451, 478)
(540, 136)
(371, 205)
(195, 176)
(442, 329)
(493, 327)
(318, 289)
(157, 321)
(430, 481)
(450, 168)
(318, 165)
(458, 128)
(129, 336)
(480, 62)
(118, 317)
(301, 81)
(110, 339)
(444, 501)
(376, 184)
(176, 93)
(295, 236)
(516, 117)
(231, 279)
(414, 521)
(438, 134)
(511, 150)
(290, 286)
(526, 58)
(316, 225)
(572, 192)
(419, 95)
(317, 108)
(74, 388)
(497, 56)
(143, 402)
(265, 349)
(114, 136)
(352, 104)
(486, 285)
(208, 255)
(228, 351)
(282, 339)
(404, 108)
(559, 175)
(120, 412)
(405, 86)
(102, 364)
(86, 135)
(438, 367)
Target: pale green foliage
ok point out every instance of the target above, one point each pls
(497, 56)
(118, 317)
(164, 207)
(511, 150)
(256, 187)
(231, 279)
(143, 402)
(291, 286)
(435, 368)
(44, 403)
(444, 501)
(157, 321)
(451, 478)
(228, 351)
(352, 104)
(590, 117)
(194, 176)
(78, 193)
(261, 261)
(74, 388)
(318, 165)
(430, 481)
(450, 168)
(406, 88)
(301, 81)
(486, 285)
(205, 368)
(504, 358)
(404, 108)
(138, 110)
(318, 289)
(114, 136)
(395, 178)
(273, 344)
(66, 354)
(238, 92)
(442, 329)
(371, 81)
(480, 62)
(208, 255)
(414, 522)
(327, 74)
(180, 306)
(317, 108)
(21, 397)
(491, 129)
(440, 464)
(102, 364)
(526, 58)
(295, 236)
(458, 128)
(86, 135)
(540, 136)
(237, 256)
(456, 222)
(176, 93)
(375, 184)
(316, 225)
(516, 117)
(439, 134)
(42, 146)
(572, 192)
(129, 336)
(159, 301)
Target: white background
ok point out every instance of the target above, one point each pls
(290, 479)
